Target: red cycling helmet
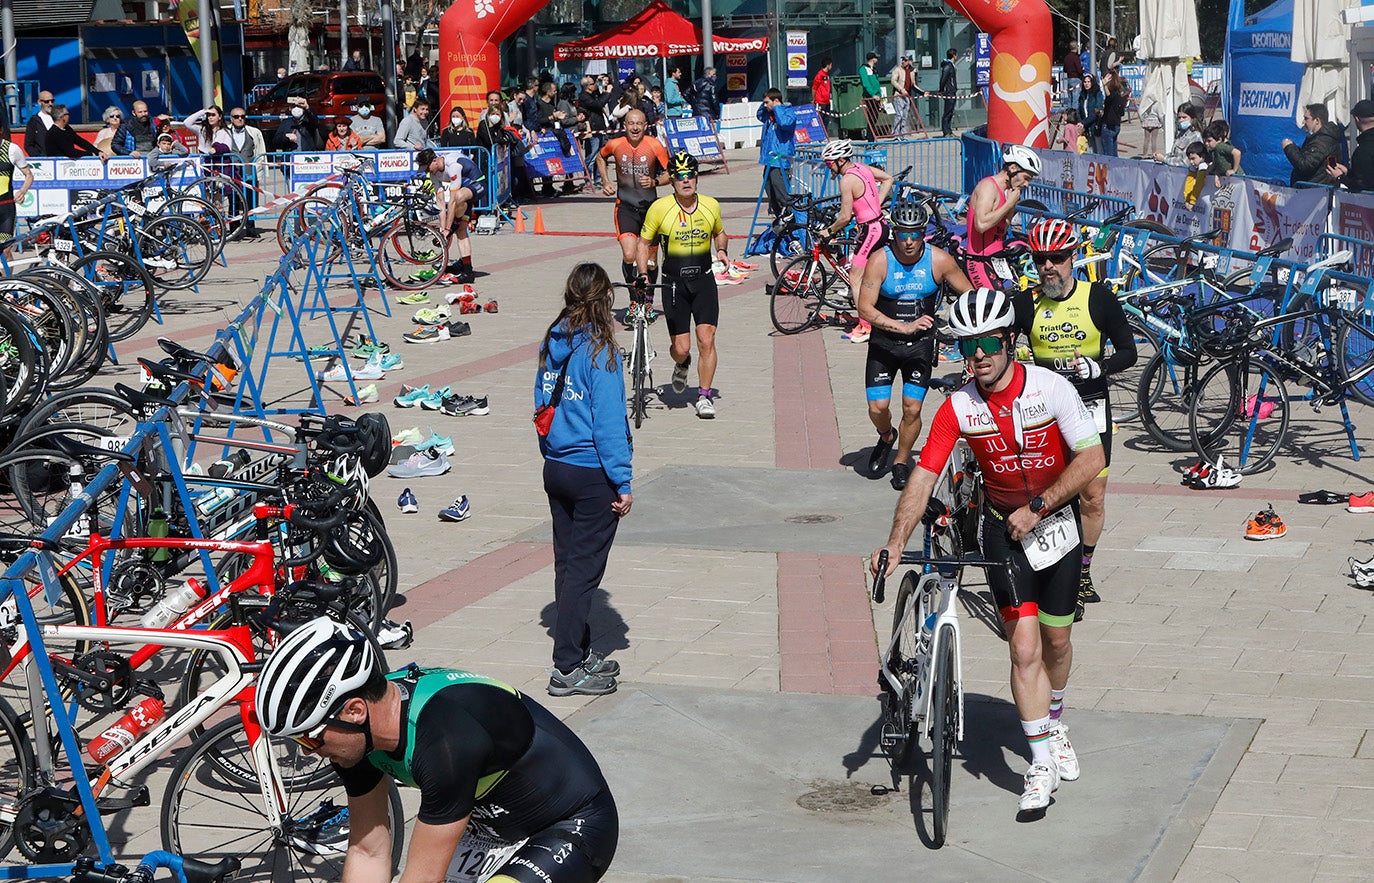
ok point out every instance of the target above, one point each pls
(1053, 234)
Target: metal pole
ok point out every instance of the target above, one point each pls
(343, 32)
(207, 64)
(7, 39)
(389, 65)
(1112, 27)
(706, 59)
(901, 30)
(1092, 37)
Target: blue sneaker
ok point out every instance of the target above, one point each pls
(407, 502)
(433, 401)
(412, 398)
(459, 511)
(443, 444)
(391, 362)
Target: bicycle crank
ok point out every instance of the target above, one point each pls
(47, 828)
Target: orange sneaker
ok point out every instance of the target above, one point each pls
(1361, 502)
(1266, 525)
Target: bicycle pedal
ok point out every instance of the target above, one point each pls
(140, 797)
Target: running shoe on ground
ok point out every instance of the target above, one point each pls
(1041, 782)
(449, 279)
(1219, 476)
(434, 400)
(367, 347)
(369, 371)
(430, 316)
(459, 329)
(391, 362)
(580, 682)
(491, 306)
(395, 636)
(1087, 592)
(458, 510)
(407, 502)
(468, 307)
(724, 278)
(415, 297)
(1363, 572)
(1266, 525)
(744, 265)
(706, 410)
(860, 334)
(1194, 472)
(366, 395)
(878, 459)
(428, 274)
(465, 406)
(680, 375)
(320, 351)
(411, 399)
(466, 277)
(401, 453)
(901, 474)
(433, 334)
(1065, 760)
(598, 664)
(463, 293)
(1361, 503)
(443, 444)
(421, 465)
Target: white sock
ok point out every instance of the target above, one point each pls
(1038, 735)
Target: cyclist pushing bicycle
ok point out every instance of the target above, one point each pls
(863, 190)
(1038, 448)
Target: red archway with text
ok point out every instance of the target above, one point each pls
(1022, 40)
(470, 35)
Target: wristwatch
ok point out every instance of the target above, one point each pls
(1038, 506)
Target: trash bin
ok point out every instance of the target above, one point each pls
(846, 97)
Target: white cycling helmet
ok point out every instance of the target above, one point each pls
(841, 148)
(309, 675)
(1023, 156)
(980, 311)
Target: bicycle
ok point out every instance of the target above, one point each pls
(642, 353)
(186, 870)
(814, 279)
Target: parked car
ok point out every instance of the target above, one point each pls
(331, 94)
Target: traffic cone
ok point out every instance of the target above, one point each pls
(539, 219)
(519, 221)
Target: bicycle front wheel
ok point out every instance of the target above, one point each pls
(1355, 354)
(944, 732)
(16, 771)
(212, 816)
(1163, 398)
(639, 371)
(1240, 414)
(412, 254)
(796, 300)
(898, 736)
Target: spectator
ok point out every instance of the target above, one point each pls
(411, 134)
(1090, 110)
(12, 162)
(873, 93)
(1189, 132)
(776, 147)
(1323, 143)
(113, 116)
(657, 100)
(646, 103)
(949, 88)
(428, 89)
(674, 105)
(167, 148)
(625, 102)
(137, 135)
(1113, 109)
(208, 125)
(36, 132)
(1359, 175)
(1152, 114)
(495, 129)
(411, 68)
(343, 137)
(820, 95)
(1110, 59)
(246, 143)
(591, 107)
(355, 61)
(458, 133)
(902, 82)
(300, 130)
(552, 117)
(1195, 156)
(1225, 159)
(704, 100)
(63, 140)
(1073, 72)
(281, 74)
(368, 127)
(1070, 133)
(529, 104)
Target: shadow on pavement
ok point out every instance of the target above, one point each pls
(610, 632)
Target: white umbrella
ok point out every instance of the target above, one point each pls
(1321, 40)
(1168, 32)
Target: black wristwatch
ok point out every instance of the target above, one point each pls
(1038, 506)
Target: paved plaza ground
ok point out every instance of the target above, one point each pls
(1222, 697)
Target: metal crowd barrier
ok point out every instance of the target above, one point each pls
(1059, 201)
(935, 163)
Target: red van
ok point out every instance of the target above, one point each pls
(332, 95)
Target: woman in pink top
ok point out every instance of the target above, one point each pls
(863, 191)
(993, 203)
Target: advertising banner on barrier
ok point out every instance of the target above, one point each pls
(694, 135)
(1353, 216)
(809, 128)
(56, 180)
(546, 158)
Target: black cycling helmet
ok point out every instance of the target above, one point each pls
(910, 216)
(424, 158)
(681, 163)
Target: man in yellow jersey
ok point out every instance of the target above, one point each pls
(688, 224)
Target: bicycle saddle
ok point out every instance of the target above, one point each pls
(947, 384)
(209, 872)
(163, 371)
(1201, 238)
(1278, 248)
(142, 401)
(82, 451)
(1119, 218)
(184, 354)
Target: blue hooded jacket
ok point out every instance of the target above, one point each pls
(779, 129)
(590, 427)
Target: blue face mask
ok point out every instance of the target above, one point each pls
(1185, 124)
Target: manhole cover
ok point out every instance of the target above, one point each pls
(842, 797)
(814, 518)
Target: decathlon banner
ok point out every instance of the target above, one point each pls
(796, 60)
(696, 135)
(1262, 95)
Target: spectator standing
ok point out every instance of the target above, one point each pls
(495, 129)
(949, 88)
(1090, 110)
(343, 137)
(12, 161)
(1073, 72)
(137, 135)
(36, 132)
(1189, 132)
(355, 61)
(457, 133)
(646, 104)
(1070, 132)
(63, 140)
(872, 91)
(1113, 109)
(591, 108)
(368, 127)
(427, 88)
(1110, 59)
(552, 117)
(112, 116)
(1225, 159)
(673, 103)
(529, 104)
(705, 102)
(246, 143)
(411, 134)
(1323, 142)
(208, 126)
(1359, 175)
(587, 469)
(777, 147)
(820, 95)
(902, 82)
(300, 130)
(657, 100)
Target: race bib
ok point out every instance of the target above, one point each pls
(1001, 268)
(1054, 537)
(1098, 408)
(478, 856)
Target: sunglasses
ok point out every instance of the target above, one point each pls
(908, 235)
(46, 100)
(313, 740)
(684, 176)
(238, 116)
(1053, 257)
(968, 346)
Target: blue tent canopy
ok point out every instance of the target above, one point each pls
(1262, 87)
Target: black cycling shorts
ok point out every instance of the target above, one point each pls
(578, 850)
(629, 218)
(914, 360)
(1050, 594)
(1106, 401)
(693, 300)
(8, 216)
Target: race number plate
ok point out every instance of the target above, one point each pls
(63, 245)
(136, 209)
(1098, 408)
(478, 856)
(1001, 268)
(1346, 299)
(1053, 538)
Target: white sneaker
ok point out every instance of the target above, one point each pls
(1041, 782)
(1065, 760)
(705, 409)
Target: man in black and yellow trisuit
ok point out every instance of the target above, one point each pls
(688, 225)
(12, 160)
(1069, 323)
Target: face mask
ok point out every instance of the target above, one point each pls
(455, 121)
(493, 118)
(298, 112)
(1185, 124)
(364, 112)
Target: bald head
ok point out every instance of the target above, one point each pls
(635, 124)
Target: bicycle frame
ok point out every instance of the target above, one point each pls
(944, 591)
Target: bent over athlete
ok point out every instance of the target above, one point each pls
(489, 761)
(1038, 449)
(863, 190)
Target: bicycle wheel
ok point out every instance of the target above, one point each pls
(797, 295)
(638, 371)
(126, 291)
(785, 249)
(300, 216)
(412, 255)
(1240, 414)
(1163, 399)
(16, 771)
(50, 315)
(205, 216)
(89, 322)
(1354, 354)
(97, 408)
(176, 250)
(898, 736)
(944, 731)
(22, 362)
(1124, 384)
(211, 816)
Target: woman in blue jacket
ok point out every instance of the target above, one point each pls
(586, 470)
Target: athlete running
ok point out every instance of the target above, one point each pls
(457, 187)
(898, 298)
(993, 203)
(12, 160)
(1068, 322)
(492, 765)
(641, 165)
(688, 224)
(1038, 448)
(863, 190)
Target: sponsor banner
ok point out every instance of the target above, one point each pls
(81, 172)
(124, 168)
(695, 135)
(737, 75)
(796, 60)
(309, 166)
(982, 59)
(546, 158)
(1354, 217)
(394, 165)
(810, 129)
(1267, 100)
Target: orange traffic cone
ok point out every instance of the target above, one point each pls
(539, 219)
(519, 221)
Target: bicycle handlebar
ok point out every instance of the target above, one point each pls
(187, 870)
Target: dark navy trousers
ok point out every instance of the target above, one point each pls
(584, 528)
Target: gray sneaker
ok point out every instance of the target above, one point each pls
(680, 375)
(598, 664)
(420, 465)
(580, 682)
